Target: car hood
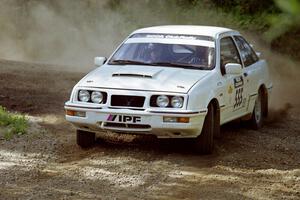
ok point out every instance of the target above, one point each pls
(137, 77)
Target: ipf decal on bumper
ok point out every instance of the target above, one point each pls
(124, 118)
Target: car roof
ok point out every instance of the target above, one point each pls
(211, 31)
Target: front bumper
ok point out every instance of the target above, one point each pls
(146, 121)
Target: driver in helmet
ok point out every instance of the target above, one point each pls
(154, 53)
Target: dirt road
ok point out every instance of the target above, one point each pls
(47, 164)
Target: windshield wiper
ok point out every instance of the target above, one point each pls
(185, 66)
(168, 64)
(127, 62)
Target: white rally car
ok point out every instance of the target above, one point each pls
(172, 82)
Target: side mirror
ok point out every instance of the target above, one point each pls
(233, 68)
(99, 61)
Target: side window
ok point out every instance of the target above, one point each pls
(229, 53)
(247, 53)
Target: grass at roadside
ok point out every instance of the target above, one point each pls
(12, 124)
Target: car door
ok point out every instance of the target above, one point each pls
(235, 95)
(251, 67)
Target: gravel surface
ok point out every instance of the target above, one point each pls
(47, 164)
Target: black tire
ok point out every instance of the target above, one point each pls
(265, 105)
(258, 112)
(85, 139)
(204, 143)
(217, 121)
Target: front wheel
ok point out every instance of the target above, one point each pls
(205, 141)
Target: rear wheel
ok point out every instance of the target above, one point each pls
(205, 141)
(85, 139)
(258, 114)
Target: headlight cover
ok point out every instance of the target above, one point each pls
(84, 95)
(97, 97)
(177, 102)
(162, 101)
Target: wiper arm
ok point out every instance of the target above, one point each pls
(186, 66)
(127, 62)
(134, 62)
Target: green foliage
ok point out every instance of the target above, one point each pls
(288, 19)
(12, 123)
(246, 7)
(291, 7)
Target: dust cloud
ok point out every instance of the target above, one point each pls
(285, 75)
(63, 32)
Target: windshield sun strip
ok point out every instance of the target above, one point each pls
(172, 36)
(205, 43)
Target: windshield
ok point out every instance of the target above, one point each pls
(164, 54)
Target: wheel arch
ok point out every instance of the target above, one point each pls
(215, 103)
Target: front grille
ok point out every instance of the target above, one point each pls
(127, 101)
(134, 126)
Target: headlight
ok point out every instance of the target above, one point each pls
(97, 97)
(162, 101)
(177, 102)
(84, 95)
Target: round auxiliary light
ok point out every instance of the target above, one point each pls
(177, 102)
(84, 95)
(97, 97)
(162, 101)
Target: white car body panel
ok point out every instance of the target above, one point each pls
(143, 78)
(197, 87)
(185, 30)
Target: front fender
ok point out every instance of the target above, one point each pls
(203, 93)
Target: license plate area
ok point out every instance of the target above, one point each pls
(126, 126)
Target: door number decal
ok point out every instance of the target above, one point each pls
(238, 82)
(238, 97)
(239, 101)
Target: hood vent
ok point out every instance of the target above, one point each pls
(137, 72)
(132, 75)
